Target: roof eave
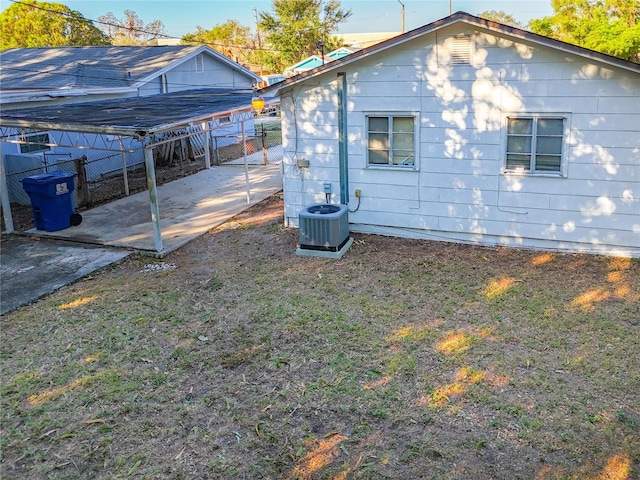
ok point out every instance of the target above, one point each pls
(31, 96)
(138, 132)
(98, 129)
(556, 44)
(442, 23)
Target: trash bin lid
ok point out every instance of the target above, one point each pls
(47, 178)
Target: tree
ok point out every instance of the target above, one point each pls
(295, 29)
(607, 26)
(130, 30)
(501, 17)
(230, 38)
(40, 24)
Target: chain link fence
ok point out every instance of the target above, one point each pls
(103, 176)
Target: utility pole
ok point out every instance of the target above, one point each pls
(255, 11)
(450, 7)
(402, 15)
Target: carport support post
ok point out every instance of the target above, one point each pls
(207, 139)
(4, 193)
(124, 167)
(246, 166)
(153, 197)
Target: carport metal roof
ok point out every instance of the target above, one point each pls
(140, 118)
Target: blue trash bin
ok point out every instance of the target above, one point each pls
(51, 199)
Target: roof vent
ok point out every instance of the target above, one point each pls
(461, 50)
(324, 231)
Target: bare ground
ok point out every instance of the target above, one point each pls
(233, 358)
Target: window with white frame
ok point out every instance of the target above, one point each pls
(37, 142)
(534, 144)
(391, 140)
(200, 63)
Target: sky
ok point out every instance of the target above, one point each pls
(183, 16)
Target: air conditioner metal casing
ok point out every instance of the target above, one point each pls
(324, 227)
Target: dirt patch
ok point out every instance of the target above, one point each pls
(234, 358)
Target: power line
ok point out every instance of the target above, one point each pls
(139, 30)
(80, 16)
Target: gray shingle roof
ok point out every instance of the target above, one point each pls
(84, 67)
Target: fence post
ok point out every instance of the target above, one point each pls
(264, 145)
(207, 153)
(83, 185)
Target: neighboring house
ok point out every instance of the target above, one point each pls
(315, 61)
(268, 80)
(471, 131)
(364, 40)
(46, 76)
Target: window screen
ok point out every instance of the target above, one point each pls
(534, 144)
(390, 141)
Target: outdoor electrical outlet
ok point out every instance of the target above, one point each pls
(327, 188)
(358, 193)
(302, 163)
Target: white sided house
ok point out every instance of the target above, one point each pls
(471, 131)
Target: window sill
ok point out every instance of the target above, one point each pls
(390, 167)
(510, 173)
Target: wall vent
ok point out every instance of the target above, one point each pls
(324, 227)
(461, 50)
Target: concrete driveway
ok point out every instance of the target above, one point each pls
(31, 268)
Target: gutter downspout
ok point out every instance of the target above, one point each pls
(342, 138)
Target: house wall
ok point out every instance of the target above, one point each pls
(185, 77)
(459, 190)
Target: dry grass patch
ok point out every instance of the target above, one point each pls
(404, 359)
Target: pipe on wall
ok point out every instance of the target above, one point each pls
(342, 138)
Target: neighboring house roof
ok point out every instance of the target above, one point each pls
(341, 52)
(107, 68)
(458, 17)
(132, 116)
(315, 61)
(303, 65)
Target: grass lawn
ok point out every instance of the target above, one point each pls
(233, 358)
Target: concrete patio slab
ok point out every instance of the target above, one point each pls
(189, 207)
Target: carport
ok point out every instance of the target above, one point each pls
(147, 123)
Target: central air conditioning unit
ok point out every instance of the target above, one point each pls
(324, 231)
